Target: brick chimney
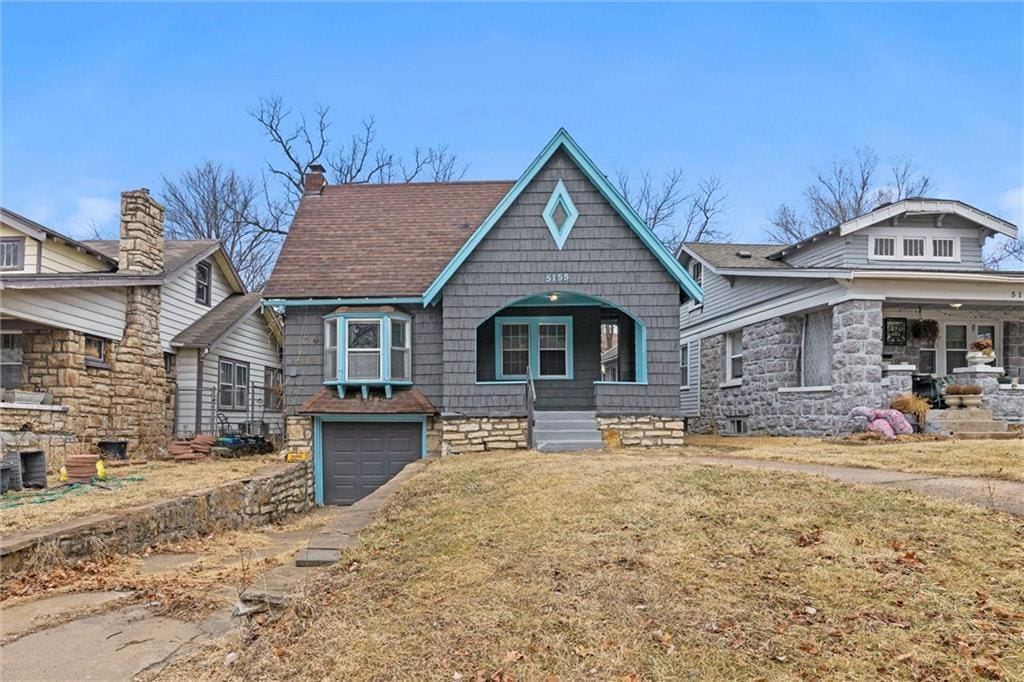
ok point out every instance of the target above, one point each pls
(142, 233)
(313, 182)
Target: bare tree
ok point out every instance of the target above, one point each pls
(210, 201)
(846, 190)
(1005, 252)
(673, 213)
(303, 140)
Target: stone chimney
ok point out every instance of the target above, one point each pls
(142, 233)
(313, 182)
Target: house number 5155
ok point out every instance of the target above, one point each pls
(556, 277)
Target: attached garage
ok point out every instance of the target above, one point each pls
(359, 457)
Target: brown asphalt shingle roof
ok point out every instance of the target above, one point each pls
(726, 255)
(177, 252)
(355, 241)
(205, 331)
(403, 401)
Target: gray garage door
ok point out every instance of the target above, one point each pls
(360, 457)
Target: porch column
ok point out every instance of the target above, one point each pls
(857, 356)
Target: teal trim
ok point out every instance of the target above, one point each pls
(534, 324)
(318, 462)
(384, 378)
(318, 440)
(560, 197)
(621, 383)
(510, 382)
(640, 332)
(562, 140)
(292, 302)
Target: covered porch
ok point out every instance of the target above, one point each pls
(574, 347)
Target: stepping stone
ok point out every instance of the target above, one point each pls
(317, 557)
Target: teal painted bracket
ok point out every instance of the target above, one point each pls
(560, 197)
(534, 324)
(562, 140)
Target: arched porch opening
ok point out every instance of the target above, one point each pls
(569, 342)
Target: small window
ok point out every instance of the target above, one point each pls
(272, 389)
(203, 277)
(95, 348)
(12, 253)
(738, 427)
(943, 248)
(10, 360)
(234, 385)
(884, 247)
(697, 272)
(515, 349)
(913, 247)
(401, 351)
(170, 364)
(363, 350)
(330, 350)
(684, 365)
(734, 355)
(610, 350)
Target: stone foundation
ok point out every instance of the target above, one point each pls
(460, 435)
(266, 497)
(643, 431)
(298, 433)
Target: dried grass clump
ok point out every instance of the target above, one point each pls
(910, 403)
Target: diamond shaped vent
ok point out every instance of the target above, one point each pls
(560, 214)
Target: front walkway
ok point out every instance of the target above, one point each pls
(1006, 496)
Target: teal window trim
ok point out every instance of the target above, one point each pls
(562, 140)
(383, 377)
(318, 440)
(533, 324)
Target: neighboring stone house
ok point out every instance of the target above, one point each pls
(131, 339)
(441, 317)
(790, 338)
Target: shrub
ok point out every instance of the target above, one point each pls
(909, 403)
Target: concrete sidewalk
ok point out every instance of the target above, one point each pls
(1006, 496)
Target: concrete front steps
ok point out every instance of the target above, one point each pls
(968, 423)
(568, 431)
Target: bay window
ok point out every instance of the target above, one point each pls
(367, 348)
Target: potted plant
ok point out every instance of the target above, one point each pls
(982, 352)
(970, 395)
(952, 395)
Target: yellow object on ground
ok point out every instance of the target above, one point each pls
(101, 470)
(296, 457)
(63, 474)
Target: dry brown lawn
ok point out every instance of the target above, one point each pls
(644, 567)
(27, 509)
(1002, 459)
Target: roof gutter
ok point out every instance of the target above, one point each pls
(80, 281)
(939, 276)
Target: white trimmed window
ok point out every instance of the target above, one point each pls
(10, 359)
(330, 350)
(362, 350)
(234, 385)
(734, 355)
(914, 248)
(816, 349)
(12, 253)
(697, 272)
(684, 365)
(401, 352)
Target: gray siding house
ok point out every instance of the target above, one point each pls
(789, 339)
(468, 316)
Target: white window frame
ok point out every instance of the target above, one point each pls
(15, 248)
(566, 338)
(731, 355)
(379, 350)
(236, 405)
(929, 248)
(684, 361)
(330, 350)
(697, 273)
(205, 298)
(407, 365)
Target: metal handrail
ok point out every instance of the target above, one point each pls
(531, 398)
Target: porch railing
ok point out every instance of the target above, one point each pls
(531, 398)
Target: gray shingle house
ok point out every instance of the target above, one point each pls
(437, 317)
(788, 339)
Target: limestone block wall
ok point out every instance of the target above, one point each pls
(298, 433)
(771, 361)
(266, 497)
(643, 431)
(460, 435)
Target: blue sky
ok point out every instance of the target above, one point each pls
(101, 98)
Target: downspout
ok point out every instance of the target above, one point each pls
(199, 389)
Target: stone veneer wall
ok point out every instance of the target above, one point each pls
(130, 397)
(1013, 349)
(460, 435)
(298, 433)
(771, 360)
(267, 496)
(644, 431)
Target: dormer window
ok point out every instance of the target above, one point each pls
(697, 272)
(914, 247)
(367, 349)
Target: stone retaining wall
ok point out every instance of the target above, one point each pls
(265, 497)
(641, 431)
(460, 435)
